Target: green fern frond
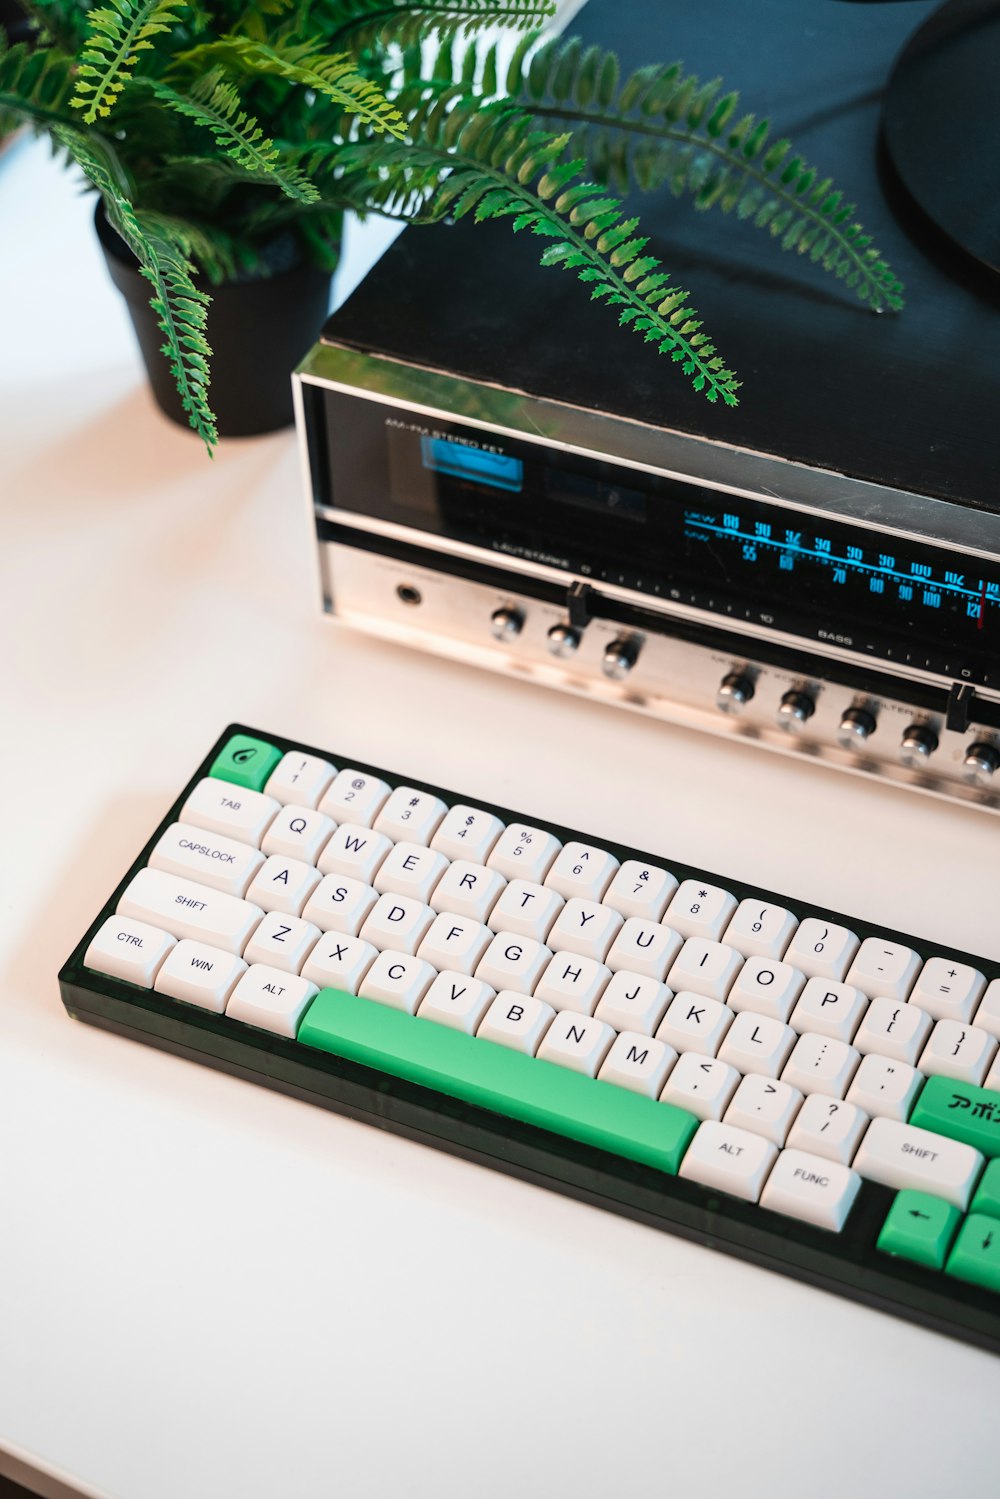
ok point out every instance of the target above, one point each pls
(162, 253)
(116, 35)
(214, 103)
(407, 23)
(35, 85)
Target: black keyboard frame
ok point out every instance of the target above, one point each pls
(847, 1262)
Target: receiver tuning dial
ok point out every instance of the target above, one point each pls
(507, 623)
(981, 763)
(619, 658)
(919, 743)
(856, 728)
(795, 710)
(735, 691)
(563, 640)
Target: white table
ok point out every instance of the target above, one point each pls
(208, 1290)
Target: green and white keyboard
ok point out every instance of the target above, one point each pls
(786, 1084)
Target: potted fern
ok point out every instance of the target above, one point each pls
(226, 140)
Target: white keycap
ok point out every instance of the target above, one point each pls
(573, 983)
(340, 904)
(758, 930)
(993, 1076)
(298, 833)
(632, 1002)
(702, 1085)
(527, 908)
(948, 990)
(729, 1160)
(694, 1023)
(644, 947)
(209, 858)
(516, 1020)
(455, 943)
(128, 949)
(199, 975)
(822, 949)
(220, 807)
(282, 942)
(893, 1030)
(410, 816)
(339, 961)
(884, 968)
(354, 850)
(988, 1013)
(398, 979)
(884, 1088)
(397, 922)
(468, 890)
(829, 1008)
(354, 797)
(828, 1127)
(767, 986)
(764, 1106)
(700, 910)
(459, 1001)
(705, 967)
(271, 999)
(283, 885)
(582, 871)
(185, 909)
(585, 927)
(300, 779)
(515, 963)
(756, 1043)
(523, 853)
(812, 1189)
(638, 1062)
(410, 869)
(962, 1052)
(819, 1064)
(902, 1155)
(576, 1041)
(642, 890)
(467, 833)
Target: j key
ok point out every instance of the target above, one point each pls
(822, 949)
(642, 890)
(583, 871)
(467, 833)
(700, 910)
(209, 858)
(220, 807)
(758, 930)
(634, 1003)
(523, 853)
(892, 1029)
(962, 1052)
(901, 1155)
(884, 968)
(300, 779)
(355, 798)
(185, 909)
(948, 990)
(729, 1159)
(410, 816)
(828, 1127)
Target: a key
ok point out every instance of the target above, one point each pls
(300, 779)
(458, 1001)
(271, 999)
(644, 947)
(354, 850)
(577, 1041)
(515, 963)
(765, 1106)
(354, 797)
(410, 869)
(340, 904)
(883, 968)
(129, 949)
(885, 1088)
(585, 927)
(702, 1085)
(282, 942)
(398, 979)
(467, 833)
(397, 922)
(455, 942)
(893, 1029)
(642, 890)
(573, 983)
(828, 1127)
(410, 816)
(962, 1052)
(634, 1003)
(948, 990)
(199, 975)
(516, 1020)
(756, 1043)
(822, 949)
(729, 1160)
(700, 910)
(812, 1189)
(283, 885)
(638, 1062)
(582, 871)
(185, 909)
(468, 890)
(759, 930)
(220, 807)
(527, 908)
(767, 986)
(298, 833)
(339, 961)
(829, 1008)
(819, 1064)
(523, 853)
(209, 858)
(901, 1155)
(705, 967)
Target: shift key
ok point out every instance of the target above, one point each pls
(186, 909)
(898, 1155)
(960, 1111)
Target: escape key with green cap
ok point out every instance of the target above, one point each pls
(246, 762)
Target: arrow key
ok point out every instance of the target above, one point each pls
(920, 1228)
(976, 1255)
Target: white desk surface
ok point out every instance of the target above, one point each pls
(211, 1291)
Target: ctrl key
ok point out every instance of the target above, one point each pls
(128, 949)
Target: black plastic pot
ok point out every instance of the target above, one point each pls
(258, 328)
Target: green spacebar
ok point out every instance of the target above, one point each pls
(496, 1078)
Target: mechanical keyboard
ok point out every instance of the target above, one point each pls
(789, 1085)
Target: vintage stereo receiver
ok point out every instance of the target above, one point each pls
(500, 474)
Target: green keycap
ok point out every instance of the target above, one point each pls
(496, 1078)
(960, 1111)
(246, 762)
(919, 1228)
(976, 1255)
(987, 1198)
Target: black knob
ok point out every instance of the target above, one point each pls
(919, 743)
(795, 710)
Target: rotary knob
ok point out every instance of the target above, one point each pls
(507, 623)
(563, 640)
(856, 727)
(735, 691)
(919, 743)
(619, 658)
(795, 710)
(980, 763)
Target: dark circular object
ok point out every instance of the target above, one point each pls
(408, 594)
(941, 124)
